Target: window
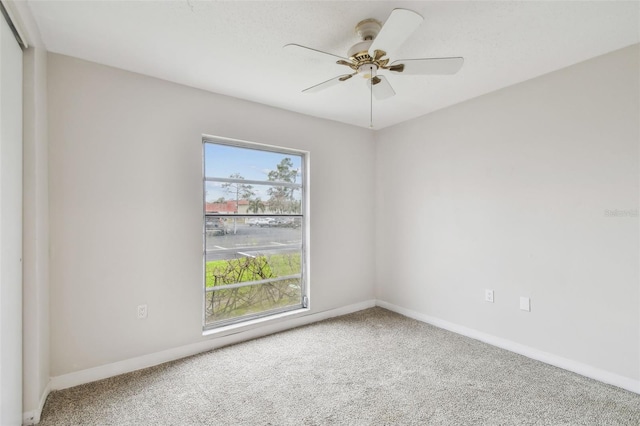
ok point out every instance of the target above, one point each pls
(254, 238)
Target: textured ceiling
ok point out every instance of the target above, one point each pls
(235, 47)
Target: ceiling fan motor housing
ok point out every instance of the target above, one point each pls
(360, 51)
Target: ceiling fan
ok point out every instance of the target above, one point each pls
(368, 57)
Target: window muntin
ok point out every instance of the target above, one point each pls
(253, 232)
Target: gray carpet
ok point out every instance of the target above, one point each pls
(373, 367)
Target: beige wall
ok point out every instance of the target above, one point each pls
(123, 147)
(509, 192)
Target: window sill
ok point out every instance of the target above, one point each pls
(255, 323)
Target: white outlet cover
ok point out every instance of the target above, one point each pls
(488, 295)
(142, 311)
(525, 304)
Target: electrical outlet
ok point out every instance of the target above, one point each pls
(488, 295)
(142, 311)
(525, 304)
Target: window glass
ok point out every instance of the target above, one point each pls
(253, 232)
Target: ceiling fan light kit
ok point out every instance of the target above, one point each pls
(369, 56)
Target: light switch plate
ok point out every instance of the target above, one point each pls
(525, 304)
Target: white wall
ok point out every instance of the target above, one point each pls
(509, 192)
(126, 208)
(10, 227)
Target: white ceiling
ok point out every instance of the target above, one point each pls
(235, 47)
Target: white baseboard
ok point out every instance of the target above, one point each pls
(548, 358)
(33, 417)
(212, 342)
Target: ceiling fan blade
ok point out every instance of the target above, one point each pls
(430, 66)
(399, 26)
(309, 51)
(381, 88)
(326, 84)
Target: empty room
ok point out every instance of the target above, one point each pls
(319, 212)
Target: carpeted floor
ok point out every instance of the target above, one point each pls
(372, 367)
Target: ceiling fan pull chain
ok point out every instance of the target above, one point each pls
(371, 97)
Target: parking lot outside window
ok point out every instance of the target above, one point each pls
(254, 238)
